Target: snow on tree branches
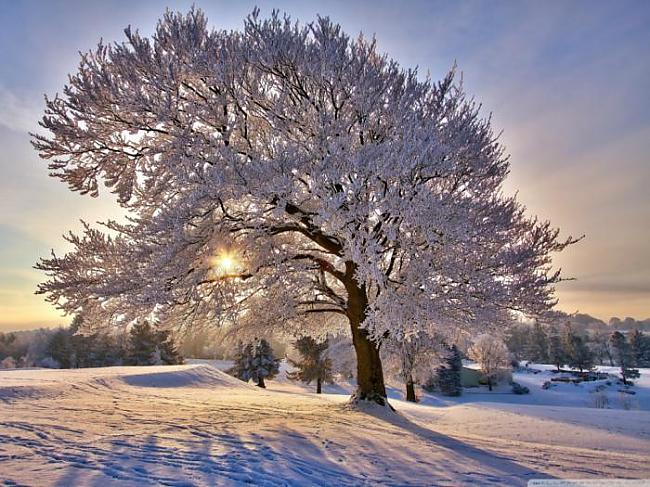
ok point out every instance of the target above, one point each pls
(343, 183)
(255, 361)
(491, 354)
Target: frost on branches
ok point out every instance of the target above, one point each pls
(328, 178)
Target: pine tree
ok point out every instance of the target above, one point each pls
(516, 339)
(578, 354)
(448, 374)
(60, 348)
(265, 365)
(149, 345)
(169, 353)
(640, 349)
(142, 344)
(623, 355)
(556, 353)
(256, 362)
(538, 345)
(242, 362)
(314, 364)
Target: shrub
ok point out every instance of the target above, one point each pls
(519, 389)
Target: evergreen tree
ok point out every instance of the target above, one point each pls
(640, 349)
(623, 355)
(314, 364)
(167, 349)
(556, 354)
(578, 354)
(602, 346)
(516, 339)
(60, 348)
(449, 372)
(538, 345)
(149, 345)
(142, 344)
(242, 362)
(255, 361)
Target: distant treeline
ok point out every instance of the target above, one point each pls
(72, 347)
(578, 347)
(583, 322)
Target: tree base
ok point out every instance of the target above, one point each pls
(360, 398)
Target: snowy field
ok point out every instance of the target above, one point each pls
(194, 425)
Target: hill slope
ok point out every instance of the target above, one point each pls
(194, 425)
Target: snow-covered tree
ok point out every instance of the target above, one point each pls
(313, 364)
(255, 361)
(491, 354)
(410, 354)
(282, 171)
(624, 357)
(448, 373)
(152, 345)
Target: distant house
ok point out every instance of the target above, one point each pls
(474, 377)
(470, 377)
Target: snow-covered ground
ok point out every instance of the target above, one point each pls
(194, 425)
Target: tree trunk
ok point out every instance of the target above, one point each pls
(318, 386)
(370, 375)
(410, 390)
(260, 383)
(489, 383)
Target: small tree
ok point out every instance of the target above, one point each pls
(60, 348)
(538, 345)
(623, 355)
(516, 339)
(242, 362)
(448, 374)
(169, 353)
(602, 346)
(578, 354)
(314, 364)
(556, 353)
(142, 344)
(410, 354)
(491, 353)
(640, 349)
(255, 361)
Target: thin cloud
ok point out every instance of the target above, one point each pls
(19, 113)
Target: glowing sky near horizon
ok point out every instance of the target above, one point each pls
(567, 82)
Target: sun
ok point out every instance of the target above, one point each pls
(226, 263)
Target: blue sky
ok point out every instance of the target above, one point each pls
(567, 82)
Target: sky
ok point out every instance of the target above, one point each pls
(567, 83)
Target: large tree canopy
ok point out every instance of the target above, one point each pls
(339, 183)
